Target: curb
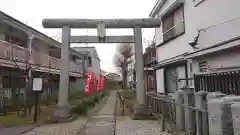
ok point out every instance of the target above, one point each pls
(29, 129)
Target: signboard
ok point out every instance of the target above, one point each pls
(37, 84)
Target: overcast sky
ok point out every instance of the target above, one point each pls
(32, 12)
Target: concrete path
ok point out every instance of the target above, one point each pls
(103, 123)
(126, 126)
(106, 123)
(16, 130)
(59, 129)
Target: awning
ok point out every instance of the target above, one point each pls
(232, 43)
(172, 61)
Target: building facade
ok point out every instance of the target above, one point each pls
(93, 62)
(195, 37)
(131, 79)
(149, 61)
(23, 48)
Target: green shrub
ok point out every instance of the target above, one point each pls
(89, 102)
(80, 109)
(76, 94)
(97, 98)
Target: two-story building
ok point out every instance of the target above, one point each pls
(195, 36)
(23, 48)
(93, 62)
(149, 61)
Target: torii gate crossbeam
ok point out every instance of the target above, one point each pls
(109, 23)
(100, 24)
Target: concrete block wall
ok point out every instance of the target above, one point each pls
(222, 117)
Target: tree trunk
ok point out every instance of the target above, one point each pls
(124, 79)
(125, 73)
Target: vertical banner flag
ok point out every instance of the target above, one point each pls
(95, 82)
(87, 81)
(98, 84)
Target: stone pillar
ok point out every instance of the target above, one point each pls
(201, 117)
(235, 109)
(220, 115)
(180, 119)
(211, 96)
(214, 95)
(190, 119)
(139, 66)
(63, 108)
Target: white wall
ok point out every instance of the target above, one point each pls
(95, 66)
(206, 14)
(160, 80)
(223, 61)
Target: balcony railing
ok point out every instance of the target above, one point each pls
(14, 52)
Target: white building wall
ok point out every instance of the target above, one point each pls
(223, 61)
(207, 14)
(95, 66)
(211, 15)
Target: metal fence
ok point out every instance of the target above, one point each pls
(224, 82)
(166, 107)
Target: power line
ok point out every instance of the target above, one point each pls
(212, 26)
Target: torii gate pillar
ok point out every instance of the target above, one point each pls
(141, 93)
(66, 24)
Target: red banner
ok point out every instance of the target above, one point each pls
(101, 82)
(95, 82)
(87, 83)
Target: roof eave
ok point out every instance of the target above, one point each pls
(156, 8)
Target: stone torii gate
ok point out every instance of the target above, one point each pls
(100, 25)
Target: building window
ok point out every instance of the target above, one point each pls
(89, 61)
(173, 24)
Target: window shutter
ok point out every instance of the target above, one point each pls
(178, 21)
(167, 25)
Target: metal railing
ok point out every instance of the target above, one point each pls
(18, 53)
(166, 107)
(174, 31)
(121, 101)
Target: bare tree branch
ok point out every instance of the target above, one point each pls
(49, 70)
(122, 59)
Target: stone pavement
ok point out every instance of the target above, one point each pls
(15, 130)
(126, 126)
(59, 129)
(103, 123)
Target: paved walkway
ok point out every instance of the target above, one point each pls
(103, 123)
(15, 130)
(59, 129)
(126, 126)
